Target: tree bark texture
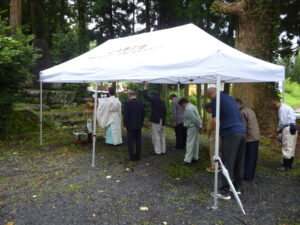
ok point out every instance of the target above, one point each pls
(250, 39)
(15, 13)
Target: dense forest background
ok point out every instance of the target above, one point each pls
(37, 34)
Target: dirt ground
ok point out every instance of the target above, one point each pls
(55, 184)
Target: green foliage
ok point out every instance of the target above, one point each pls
(292, 93)
(17, 57)
(268, 20)
(64, 46)
(22, 122)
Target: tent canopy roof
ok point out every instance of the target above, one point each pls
(184, 54)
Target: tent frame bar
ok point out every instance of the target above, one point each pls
(95, 124)
(41, 112)
(217, 139)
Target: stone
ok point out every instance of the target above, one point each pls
(34, 107)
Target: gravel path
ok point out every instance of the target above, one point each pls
(56, 185)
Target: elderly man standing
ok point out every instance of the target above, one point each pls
(252, 139)
(287, 130)
(180, 130)
(157, 118)
(193, 123)
(232, 131)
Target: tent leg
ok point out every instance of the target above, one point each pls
(178, 90)
(215, 206)
(41, 113)
(282, 92)
(94, 125)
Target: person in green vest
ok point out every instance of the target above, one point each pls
(193, 123)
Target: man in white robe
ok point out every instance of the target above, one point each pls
(109, 117)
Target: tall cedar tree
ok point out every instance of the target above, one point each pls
(257, 23)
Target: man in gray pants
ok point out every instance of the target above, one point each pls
(233, 134)
(180, 130)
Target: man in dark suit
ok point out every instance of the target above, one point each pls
(134, 114)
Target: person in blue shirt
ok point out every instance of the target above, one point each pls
(233, 135)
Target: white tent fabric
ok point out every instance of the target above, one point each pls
(184, 54)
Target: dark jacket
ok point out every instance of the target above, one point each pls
(158, 107)
(134, 114)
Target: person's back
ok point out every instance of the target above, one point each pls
(158, 107)
(231, 121)
(286, 116)
(251, 124)
(134, 114)
(177, 112)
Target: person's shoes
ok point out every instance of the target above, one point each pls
(282, 168)
(222, 195)
(185, 163)
(129, 159)
(210, 169)
(194, 161)
(154, 153)
(285, 167)
(238, 191)
(175, 149)
(291, 163)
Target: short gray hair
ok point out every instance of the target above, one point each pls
(211, 90)
(275, 102)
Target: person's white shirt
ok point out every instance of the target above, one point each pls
(286, 116)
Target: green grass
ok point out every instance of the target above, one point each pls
(292, 93)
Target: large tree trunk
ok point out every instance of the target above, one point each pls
(111, 22)
(82, 25)
(147, 15)
(250, 39)
(32, 17)
(15, 13)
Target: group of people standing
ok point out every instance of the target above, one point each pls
(239, 132)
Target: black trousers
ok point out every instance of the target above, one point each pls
(233, 156)
(180, 132)
(251, 156)
(134, 138)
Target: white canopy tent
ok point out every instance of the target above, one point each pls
(180, 55)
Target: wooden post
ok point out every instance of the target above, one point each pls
(199, 98)
(204, 111)
(186, 91)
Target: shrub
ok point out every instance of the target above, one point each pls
(17, 57)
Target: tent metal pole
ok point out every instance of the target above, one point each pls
(41, 112)
(94, 124)
(216, 157)
(178, 89)
(282, 92)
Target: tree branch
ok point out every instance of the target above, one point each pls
(235, 8)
